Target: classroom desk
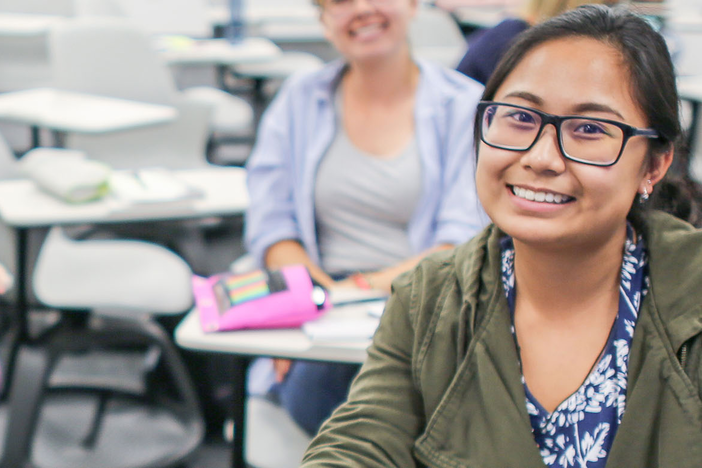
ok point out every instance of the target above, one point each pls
(26, 25)
(690, 89)
(180, 50)
(23, 206)
(286, 343)
(67, 111)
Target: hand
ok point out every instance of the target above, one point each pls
(281, 368)
(346, 283)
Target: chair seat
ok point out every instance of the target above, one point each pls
(287, 64)
(116, 371)
(231, 114)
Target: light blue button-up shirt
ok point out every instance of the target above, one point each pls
(298, 128)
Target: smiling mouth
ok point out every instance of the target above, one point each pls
(541, 197)
(368, 30)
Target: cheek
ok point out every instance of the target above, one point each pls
(488, 175)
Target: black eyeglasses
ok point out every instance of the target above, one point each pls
(587, 140)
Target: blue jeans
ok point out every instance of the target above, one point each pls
(312, 390)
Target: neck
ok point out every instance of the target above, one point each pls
(382, 80)
(563, 283)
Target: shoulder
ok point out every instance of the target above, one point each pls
(675, 255)
(448, 86)
(308, 84)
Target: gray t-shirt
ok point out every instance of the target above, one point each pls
(363, 204)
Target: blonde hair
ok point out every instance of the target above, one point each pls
(536, 11)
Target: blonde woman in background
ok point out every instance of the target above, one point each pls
(487, 48)
(360, 170)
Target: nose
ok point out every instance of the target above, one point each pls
(363, 5)
(545, 155)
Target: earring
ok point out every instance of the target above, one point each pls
(645, 195)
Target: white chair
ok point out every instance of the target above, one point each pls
(39, 7)
(107, 416)
(112, 57)
(101, 411)
(434, 35)
(24, 57)
(273, 439)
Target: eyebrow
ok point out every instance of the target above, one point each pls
(579, 109)
(594, 107)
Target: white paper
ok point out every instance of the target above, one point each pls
(150, 186)
(360, 329)
(342, 296)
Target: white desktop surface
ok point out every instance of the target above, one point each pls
(23, 204)
(220, 15)
(25, 25)
(218, 51)
(78, 112)
(283, 343)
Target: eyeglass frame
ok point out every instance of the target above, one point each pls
(557, 120)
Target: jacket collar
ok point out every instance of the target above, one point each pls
(429, 97)
(674, 252)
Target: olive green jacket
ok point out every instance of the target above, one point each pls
(441, 386)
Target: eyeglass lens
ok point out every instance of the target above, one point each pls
(581, 138)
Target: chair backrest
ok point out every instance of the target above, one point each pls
(177, 145)
(189, 17)
(111, 274)
(24, 62)
(39, 7)
(109, 57)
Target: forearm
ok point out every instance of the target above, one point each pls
(382, 279)
(290, 252)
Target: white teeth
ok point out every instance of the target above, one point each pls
(371, 28)
(547, 197)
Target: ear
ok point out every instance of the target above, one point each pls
(657, 169)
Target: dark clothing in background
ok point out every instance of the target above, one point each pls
(487, 50)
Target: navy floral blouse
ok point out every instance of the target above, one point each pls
(580, 431)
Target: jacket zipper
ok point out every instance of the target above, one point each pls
(682, 355)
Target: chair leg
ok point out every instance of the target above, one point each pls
(96, 422)
(27, 388)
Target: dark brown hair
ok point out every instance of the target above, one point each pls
(653, 87)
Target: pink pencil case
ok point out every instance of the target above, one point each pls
(284, 298)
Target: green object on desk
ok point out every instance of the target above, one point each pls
(67, 174)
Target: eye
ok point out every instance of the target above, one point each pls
(591, 128)
(522, 117)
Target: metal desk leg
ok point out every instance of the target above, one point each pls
(692, 136)
(241, 366)
(22, 300)
(36, 138)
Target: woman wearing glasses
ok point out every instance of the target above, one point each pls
(567, 334)
(360, 170)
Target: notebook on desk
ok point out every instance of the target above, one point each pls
(148, 186)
